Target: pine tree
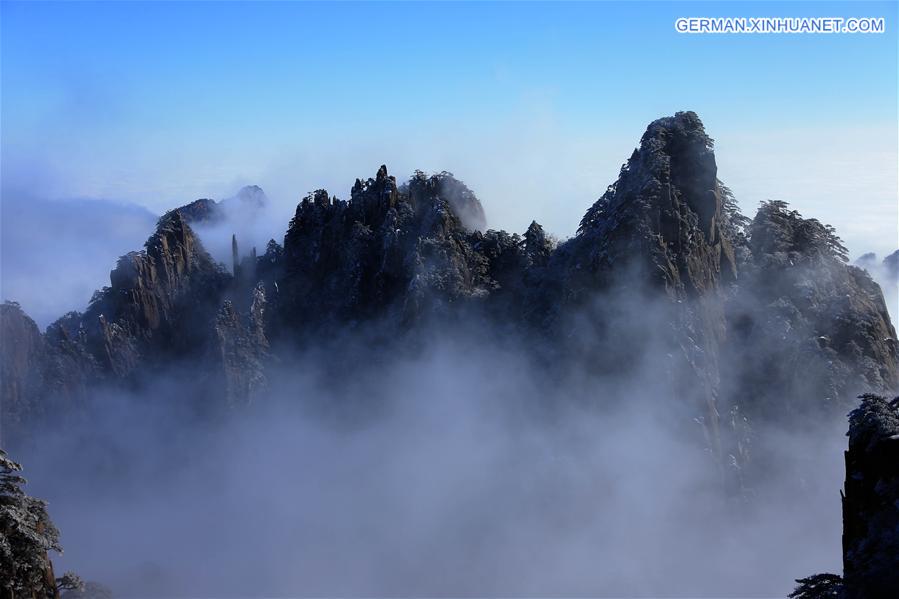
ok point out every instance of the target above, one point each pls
(26, 535)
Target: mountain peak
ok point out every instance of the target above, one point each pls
(251, 195)
(683, 125)
(666, 205)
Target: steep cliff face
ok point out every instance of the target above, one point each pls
(871, 501)
(158, 301)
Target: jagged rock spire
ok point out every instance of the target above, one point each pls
(235, 257)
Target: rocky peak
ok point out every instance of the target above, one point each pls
(152, 296)
(252, 196)
(443, 193)
(371, 199)
(782, 238)
(537, 246)
(664, 211)
(678, 152)
(388, 249)
(201, 211)
(248, 201)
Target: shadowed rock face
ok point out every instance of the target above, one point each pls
(870, 508)
(871, 500)
(663, 237)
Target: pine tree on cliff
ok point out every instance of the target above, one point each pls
(26, 535)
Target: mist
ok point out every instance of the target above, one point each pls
(452, 461)
(55, 253)
(446, 464)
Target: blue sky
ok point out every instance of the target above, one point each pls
(535, 105)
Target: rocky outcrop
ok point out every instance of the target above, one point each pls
(384, 253)
(242, 350)
(664, 215)
(158, 301)
(201, 211)
(247, 202)
(870, 498)
(462, 202)
(871, 501)
(808, 312)
(159, 308)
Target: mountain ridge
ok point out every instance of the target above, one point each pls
(666, 232)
